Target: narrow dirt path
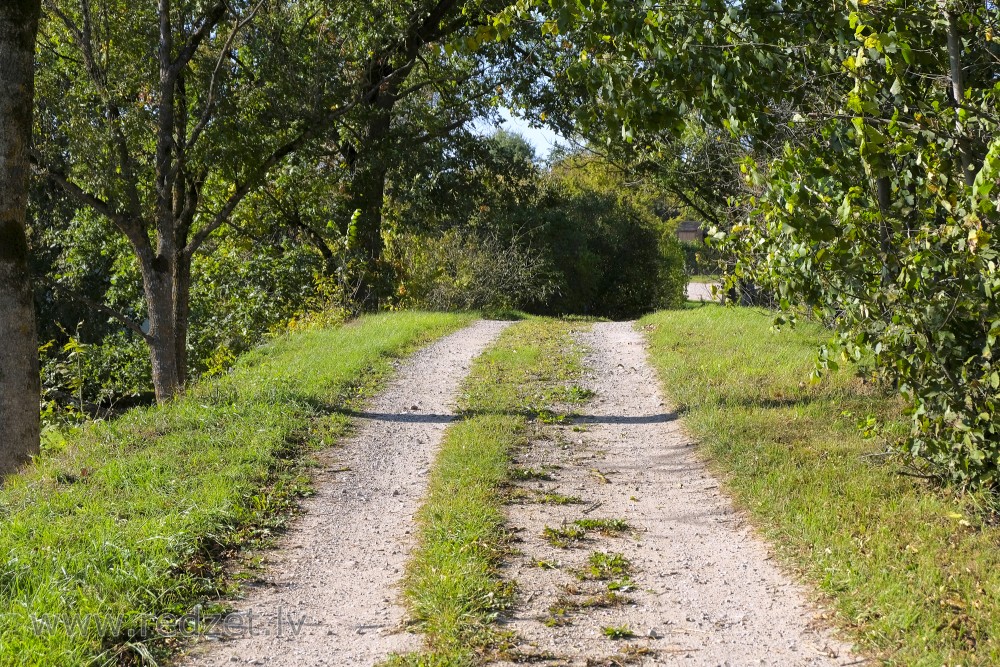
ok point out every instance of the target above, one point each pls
(330, 594)
(702, 589)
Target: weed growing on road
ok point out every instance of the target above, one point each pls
(606, 527)
(564, 536)
(529, 474)
(555, 498)
(618, 632)
(562, 610)
(603, 566)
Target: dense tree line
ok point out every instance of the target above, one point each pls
(847, 153)
(206, 172)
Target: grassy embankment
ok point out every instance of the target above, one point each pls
(128, 520)
(452, 585)
(913, 571)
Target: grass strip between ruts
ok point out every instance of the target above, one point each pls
(452, 585)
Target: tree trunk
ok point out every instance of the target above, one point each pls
(958, 92)
(883, 194)
(158, 284)
(182, 310)
(366, 194)
(19, 380)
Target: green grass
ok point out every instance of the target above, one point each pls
(453, 586)
(604, 566)
(572, 534)
(606, 527)
(564, 537)
(618, 632)
(704, 278)
(556, 498)
(912, 570)
(122, 521)
(562, 611)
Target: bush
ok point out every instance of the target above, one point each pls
(489, 228)
(460, 271)
(615, 256)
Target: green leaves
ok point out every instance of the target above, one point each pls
(855, 206)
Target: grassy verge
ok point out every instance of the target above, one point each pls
(913, 571)
(120, 523)
(452, 585)
(704, 278)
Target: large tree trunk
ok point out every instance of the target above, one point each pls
(366, 193)
(19, 381)
(158, 277)
(366, 160)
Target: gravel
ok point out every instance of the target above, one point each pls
(330, 593)
(705, 591)
(702, 292)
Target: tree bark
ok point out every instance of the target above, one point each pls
(182, 310)
(958, 92)
(158, 285)
(366, 161)
(883, 194)
(19, 379)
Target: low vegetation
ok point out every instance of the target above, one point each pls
(606, 527)
(562, 611)
(618, 632)
(453, 586)
(909, 567)
(119, 523)
(603, 566)
(564, 536)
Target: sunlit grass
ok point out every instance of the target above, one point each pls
(912, 571)
(125, 520)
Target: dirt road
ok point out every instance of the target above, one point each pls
(693, 584)
(330, 594)
(702, 588)
(702, 292)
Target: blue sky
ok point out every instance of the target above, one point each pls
(543, 139)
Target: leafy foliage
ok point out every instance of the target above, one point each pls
(856, 155)
(570, 238)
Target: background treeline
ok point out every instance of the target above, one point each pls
(478, 224)
(207, 172)
(846, 153)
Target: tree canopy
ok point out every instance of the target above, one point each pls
(198, 160)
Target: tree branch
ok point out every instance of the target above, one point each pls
(243, 189)
(206, 114)
(210, 20)
(132, 230)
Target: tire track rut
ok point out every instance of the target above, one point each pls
(330, 592)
